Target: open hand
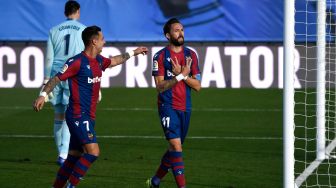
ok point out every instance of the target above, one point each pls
(176, 66)
(38, 103)
(186, 68)
(141, 50)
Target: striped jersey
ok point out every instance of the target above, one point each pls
(179, 96)
(64, 41)
(84, 75)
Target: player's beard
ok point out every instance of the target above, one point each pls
(100, 50)
(177, 42)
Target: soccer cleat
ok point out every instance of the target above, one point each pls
(149, 184)
(60, 161)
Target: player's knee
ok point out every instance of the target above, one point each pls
(60, 116)
(175, 147)
(175, 144)
(95, 153)
(60, 110)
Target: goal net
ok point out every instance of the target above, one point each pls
(315, 101)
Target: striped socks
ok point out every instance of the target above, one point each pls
(173, 160)
(65, 171)
(177, 166)
(162, 170)
(81, 167)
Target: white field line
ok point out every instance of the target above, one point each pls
(153, 137)
(155, 109)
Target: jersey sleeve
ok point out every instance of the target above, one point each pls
(106, 63)
(194, 66)
(70, 69)
(158, 65)
(49, 57)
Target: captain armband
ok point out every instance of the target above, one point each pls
(198, 77)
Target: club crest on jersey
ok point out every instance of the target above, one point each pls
(94, 80)
(65, 67)
(155, 66)
(88, 66)
(90, 135)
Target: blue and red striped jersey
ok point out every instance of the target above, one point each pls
(84, 74)
(179, 96)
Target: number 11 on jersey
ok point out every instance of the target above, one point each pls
(165, 121)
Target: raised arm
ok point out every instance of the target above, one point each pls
(120, 59)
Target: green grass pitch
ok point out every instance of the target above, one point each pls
(234, 140)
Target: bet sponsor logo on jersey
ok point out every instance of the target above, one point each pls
(170, 74)
(94, 80)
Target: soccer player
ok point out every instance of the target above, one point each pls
(176, 72)
(64, 42)
(83, 72)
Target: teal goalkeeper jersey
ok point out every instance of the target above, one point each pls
(65, 41)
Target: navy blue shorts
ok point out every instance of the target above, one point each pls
(81, 131)
(175, 123)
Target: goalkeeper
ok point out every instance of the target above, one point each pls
(64, 42)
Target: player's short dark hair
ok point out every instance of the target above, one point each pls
(71, 7)
(89, 33)
(167, 26)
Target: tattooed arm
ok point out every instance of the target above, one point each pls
(39, 102)
(162, 85)
(51, 84)
(120, 59)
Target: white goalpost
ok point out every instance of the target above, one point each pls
(309, 118)
(288, 96)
